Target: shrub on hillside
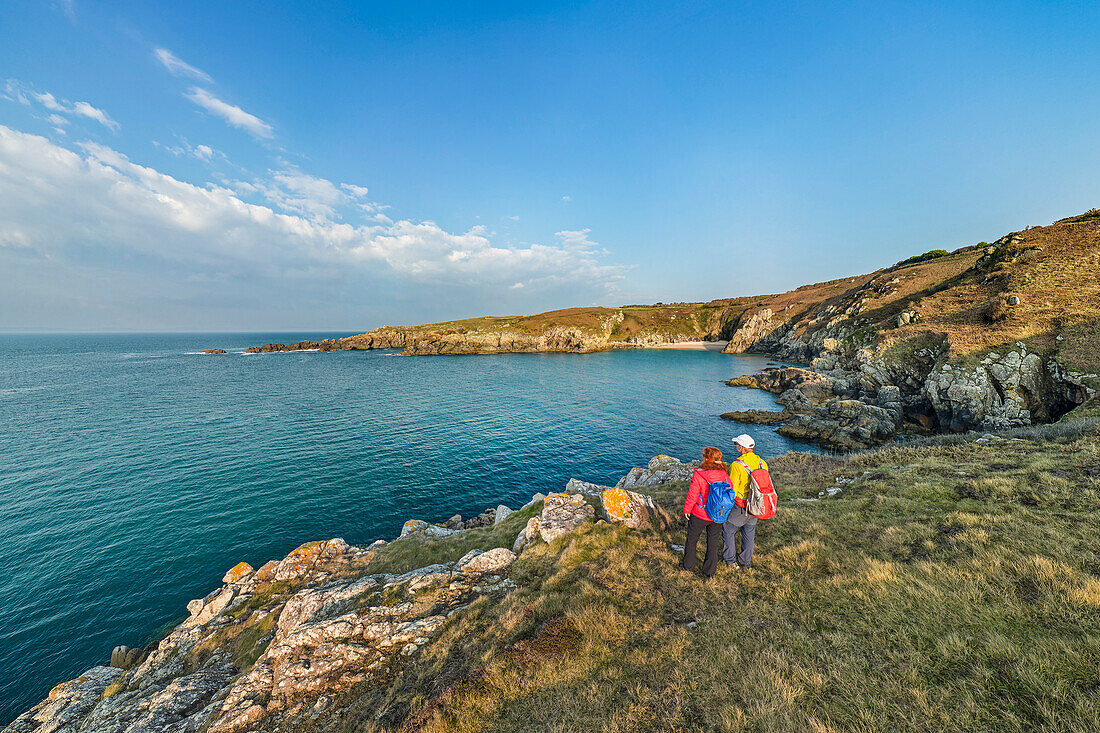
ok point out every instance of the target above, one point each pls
(931, 254)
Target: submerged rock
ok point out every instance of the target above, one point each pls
(756, 417)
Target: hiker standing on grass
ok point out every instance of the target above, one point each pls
(712, 471)
(739, 518)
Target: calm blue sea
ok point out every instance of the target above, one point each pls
(134, 473)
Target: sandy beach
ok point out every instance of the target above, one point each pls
(693, 345)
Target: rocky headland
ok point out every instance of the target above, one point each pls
(279, 647)
(990, 336)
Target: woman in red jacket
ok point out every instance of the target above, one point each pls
(711, 470)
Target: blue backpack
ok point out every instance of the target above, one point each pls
(720, 501)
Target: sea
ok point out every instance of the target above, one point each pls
(134, 472)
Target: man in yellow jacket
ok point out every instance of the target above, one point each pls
(739, 519)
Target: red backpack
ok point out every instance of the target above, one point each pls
(760, 498)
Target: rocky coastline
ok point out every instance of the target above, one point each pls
(279, 647)
(939, 343)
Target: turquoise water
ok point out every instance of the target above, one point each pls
(134, 474)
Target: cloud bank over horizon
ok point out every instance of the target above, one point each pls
(87, 226)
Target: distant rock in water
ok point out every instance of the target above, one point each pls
(213, 351)
(326, 345)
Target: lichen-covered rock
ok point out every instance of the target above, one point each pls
(780, 379)
(419, 526)
(635, 510)
(67, 704)
(526, 535)
(261, 654)
(576, 486)
(661, 470)
(204, 609)
(237, 573)
(561, 514)
(496, 560)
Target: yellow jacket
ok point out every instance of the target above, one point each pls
(739, 477)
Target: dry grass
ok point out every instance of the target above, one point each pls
(951, 586)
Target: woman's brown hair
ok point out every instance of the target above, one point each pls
(712, 460)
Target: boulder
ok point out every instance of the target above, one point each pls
(576, 486)
(494, 561)
(501, 514)
(635, 510)
(422, 528)
(905, 318)
(561, 514)
(125, 657)
(661, 470)
(238, 573)
(526, 535)
(536, 498)
(205, 609)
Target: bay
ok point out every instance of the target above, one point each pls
(134, 472)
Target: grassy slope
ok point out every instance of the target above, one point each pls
(952, 586)
(1059, 288)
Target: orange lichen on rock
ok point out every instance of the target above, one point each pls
(237, 572)
(616, 504)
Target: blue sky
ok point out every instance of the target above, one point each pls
(247, 165)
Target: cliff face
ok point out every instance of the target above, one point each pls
(988, 338)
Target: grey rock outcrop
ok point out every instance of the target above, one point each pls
(661, 470)
(261, 653)
(561, 514)
(1003, 391)
(576, 486)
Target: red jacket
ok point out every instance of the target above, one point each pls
(699, 491)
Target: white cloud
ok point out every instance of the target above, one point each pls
(358, 192)
(514, 217)
(566, 199)
(232, 114)
(179, 67)
(202, 152)
(16, 91)
(86, 110)
(48, 101)
(98, 206)
(517, 286)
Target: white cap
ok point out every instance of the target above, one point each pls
(745, 440)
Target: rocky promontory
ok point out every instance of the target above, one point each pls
(289, 644)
